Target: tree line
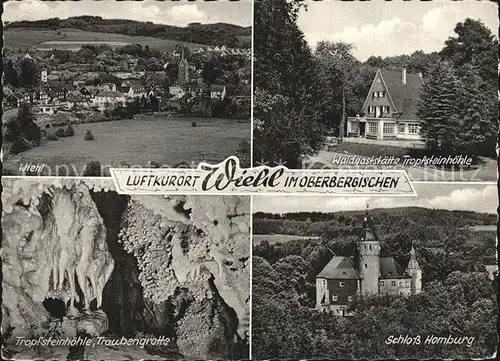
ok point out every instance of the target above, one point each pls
(210, 34)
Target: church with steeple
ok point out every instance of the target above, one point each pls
(183, 68)
(346, 278)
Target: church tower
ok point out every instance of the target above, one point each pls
(369, 259)
(415, 272)
(183, 68)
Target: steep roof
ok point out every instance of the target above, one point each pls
(389, 268)
(339, 268)
(75, 97)
(404, 96)
(110, 94)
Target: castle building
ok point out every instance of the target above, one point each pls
(346, 278)
(183, 69)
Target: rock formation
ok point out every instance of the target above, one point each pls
(52, 231)
(198, 243)
(182, 266)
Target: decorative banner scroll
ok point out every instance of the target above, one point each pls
(228, 178)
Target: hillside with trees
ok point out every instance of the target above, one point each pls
(458, 297)
(304, 94)
(209, 34)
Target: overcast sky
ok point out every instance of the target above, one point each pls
(466, 197)
(178, 13)
(385, 28)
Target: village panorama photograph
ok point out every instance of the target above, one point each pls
(89, 86)
(377, 85)
(376, 277)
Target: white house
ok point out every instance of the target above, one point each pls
(108, 99)
(390, 107)
(176, 91)
(217, 91)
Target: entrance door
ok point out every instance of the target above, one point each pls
(362, 129)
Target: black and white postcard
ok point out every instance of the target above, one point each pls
(376, 277)
(377, 85)
(250, 180)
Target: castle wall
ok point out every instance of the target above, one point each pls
(395, 286)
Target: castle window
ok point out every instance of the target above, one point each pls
(341, 284)
(375, 94)
(401, 128)
(381, 94)
(335, 298)
(349, 298)
(365, 246)
(393, 283)
(381, 283)
(370, 246)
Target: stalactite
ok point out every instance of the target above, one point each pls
(53, 238)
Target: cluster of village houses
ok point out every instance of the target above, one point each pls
(51, 95)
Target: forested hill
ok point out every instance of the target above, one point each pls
(386, 220)
(445, 240)
(210, 34)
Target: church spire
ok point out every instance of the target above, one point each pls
(368, 234)
(413, 263)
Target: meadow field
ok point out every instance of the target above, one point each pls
(166, 141)
(43, 39)
(273, 238)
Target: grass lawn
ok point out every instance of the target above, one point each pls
(484, 171)
(26, 38)
(164, 140)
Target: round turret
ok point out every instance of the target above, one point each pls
(369, 259)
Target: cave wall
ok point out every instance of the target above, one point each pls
(179, 263)
(51, 231)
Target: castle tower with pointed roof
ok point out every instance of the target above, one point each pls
(415, 272)
(346, 278)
